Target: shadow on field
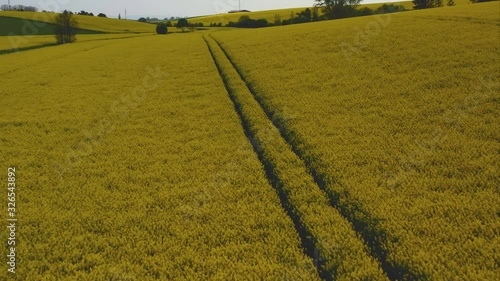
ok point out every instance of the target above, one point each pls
(4, 52)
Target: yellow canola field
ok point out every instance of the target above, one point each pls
(397, 115)
(329, 238)
(132, 165)
(375, 155)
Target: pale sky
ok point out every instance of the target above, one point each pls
(164, 8)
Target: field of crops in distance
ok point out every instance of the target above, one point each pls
(107, 25)
(224, 17)
(397, 118)
(129, 168)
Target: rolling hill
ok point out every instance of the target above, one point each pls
(225, 17)
(87, 23)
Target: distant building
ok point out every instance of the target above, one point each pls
(238, 11)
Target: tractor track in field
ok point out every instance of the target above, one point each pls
(317, 245)
(308, 244)
(363, 223)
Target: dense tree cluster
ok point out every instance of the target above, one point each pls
(312, 15)
(307, 15)
(162, 28)
(65, 28)
(247, 22)
(184, 24)
(83, 13)
(335, 9)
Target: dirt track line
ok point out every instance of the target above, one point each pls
(320, 227)
(361, 220)
(307, 242)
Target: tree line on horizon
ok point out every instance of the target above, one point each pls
(336, 9)
(23, 8)
(182, 24)
(19, 8)
(313, 15)
(332, 9)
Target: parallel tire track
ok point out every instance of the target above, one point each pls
(367, 226)
(327, 237)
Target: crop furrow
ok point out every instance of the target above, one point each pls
(366, 226)
(327, 237)
(305, 237)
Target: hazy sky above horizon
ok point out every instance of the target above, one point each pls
(163, 8)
